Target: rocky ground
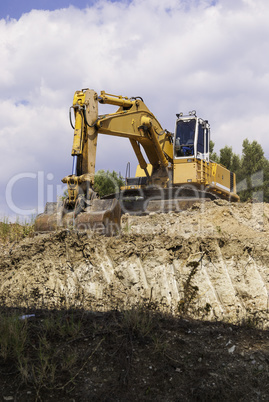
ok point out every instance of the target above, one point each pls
(178, 302)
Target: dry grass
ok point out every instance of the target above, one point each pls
(10, 232)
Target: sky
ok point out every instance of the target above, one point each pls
(178, 55)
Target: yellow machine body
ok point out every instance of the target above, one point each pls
(210, 176)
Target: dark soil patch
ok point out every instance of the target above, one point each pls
(132, 355)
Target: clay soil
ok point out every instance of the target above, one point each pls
(175, 308)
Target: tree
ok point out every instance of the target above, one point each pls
(212, 155)
(236, 164)
(226, 156)
(211, 146)
(254, 172)
(252, 158)
(230, 160)
(107, 182)
(252, 169)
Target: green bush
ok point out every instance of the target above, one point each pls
(107, 182)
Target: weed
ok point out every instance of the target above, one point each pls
(64, 325)
(68, 326)
(38, 362)
(251, 321)
(160, 345)
(24, 369)
(69, 360)
(45, 366)
(190, 290)
(137, 321)
(4, 229)
(10, 232)
(13, 336)
(127, 227)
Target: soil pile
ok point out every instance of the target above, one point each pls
(211, 261)
(88, 326)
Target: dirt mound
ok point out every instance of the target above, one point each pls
(210, 261)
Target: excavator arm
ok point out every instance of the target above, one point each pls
(132, 120)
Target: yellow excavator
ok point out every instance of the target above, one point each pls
(178, 173)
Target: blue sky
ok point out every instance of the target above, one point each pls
(179, 55)
(15, 8)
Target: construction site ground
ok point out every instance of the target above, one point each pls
(174, 308)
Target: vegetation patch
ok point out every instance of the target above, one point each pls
(134, 354)
(10, 232)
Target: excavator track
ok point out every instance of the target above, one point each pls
(159, 200)
(103, 216)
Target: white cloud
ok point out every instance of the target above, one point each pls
(178, 55)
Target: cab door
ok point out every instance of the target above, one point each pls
(203, 140)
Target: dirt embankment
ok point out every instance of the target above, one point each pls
(211, 261)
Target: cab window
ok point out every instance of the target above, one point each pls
(184, 142)
(201, 142)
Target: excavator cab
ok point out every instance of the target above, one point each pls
(191, 137)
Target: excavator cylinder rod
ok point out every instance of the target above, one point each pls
(74, 167)
(115, 100)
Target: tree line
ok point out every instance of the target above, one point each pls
(251, 169)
